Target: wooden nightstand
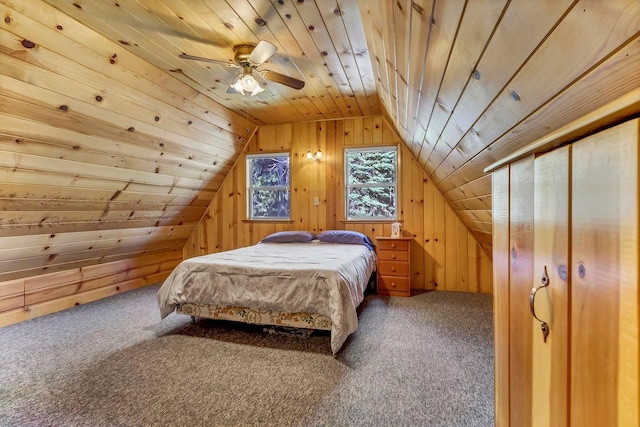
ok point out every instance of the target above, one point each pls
(394, 266)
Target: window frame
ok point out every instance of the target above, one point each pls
(251, 189)
(394, 185)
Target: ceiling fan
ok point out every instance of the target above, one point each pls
(249, 57)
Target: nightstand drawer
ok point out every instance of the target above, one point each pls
(398, 284)
(392, 268)
(393, 255)
(393, 245)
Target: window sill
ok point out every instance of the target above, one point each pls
(263, 221)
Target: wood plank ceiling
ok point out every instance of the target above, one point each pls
(103, 157)
(322, 43)
(467, 82)
(464, 82)
(96, 87)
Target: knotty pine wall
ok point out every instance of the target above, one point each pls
(107, 163)
(444, 252)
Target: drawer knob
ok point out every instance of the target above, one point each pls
(393, 284)
(393, 257)
(393, 245)
(393, 269)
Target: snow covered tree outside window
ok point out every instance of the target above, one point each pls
(269, 187)
(371, 185)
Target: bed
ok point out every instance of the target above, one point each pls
(314, 284)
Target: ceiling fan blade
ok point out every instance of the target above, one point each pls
(262, 52)
(214, 61)
(282, 79)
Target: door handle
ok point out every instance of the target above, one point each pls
(532, 303)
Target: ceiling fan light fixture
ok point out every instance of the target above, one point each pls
(237, 85)
(246, 83)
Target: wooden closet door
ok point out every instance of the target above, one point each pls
(501, 250)
(520, 283)
(604, 290)
(551, 254)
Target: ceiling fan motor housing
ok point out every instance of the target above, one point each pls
(242, 53)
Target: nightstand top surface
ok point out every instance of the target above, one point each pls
(395, 238)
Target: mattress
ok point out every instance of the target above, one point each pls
(327, 279)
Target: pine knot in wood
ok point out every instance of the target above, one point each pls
(28, 44)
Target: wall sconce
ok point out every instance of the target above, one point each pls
(314, 156)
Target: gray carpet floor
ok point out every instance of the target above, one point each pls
(420, 361)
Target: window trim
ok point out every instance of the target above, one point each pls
(394, 185)
(251, 190)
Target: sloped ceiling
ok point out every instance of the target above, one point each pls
(103, 157)
(464, 82)
(320, 42)
(104, 127)
(467, 82)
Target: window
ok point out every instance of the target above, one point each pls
(269, 187)
(370, 183)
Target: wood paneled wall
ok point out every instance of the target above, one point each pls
(444, 252)
(107, 163)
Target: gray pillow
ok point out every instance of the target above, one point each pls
(289, 237)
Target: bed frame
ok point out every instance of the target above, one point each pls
(261, 317)
(255, 316)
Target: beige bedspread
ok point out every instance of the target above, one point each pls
(324, 278)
